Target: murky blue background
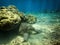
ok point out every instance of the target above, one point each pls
(33, 5)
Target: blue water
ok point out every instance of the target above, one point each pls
(33, 5)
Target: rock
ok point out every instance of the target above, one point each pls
(22, 16)
(12, 8)
(17, 41)
(10, 17)
(8, 20)
(3, 9)
(31, 19)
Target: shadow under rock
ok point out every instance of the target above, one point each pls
(7, 36)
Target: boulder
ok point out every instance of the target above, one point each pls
(8, 19)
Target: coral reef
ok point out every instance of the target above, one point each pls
(8, 19)
(17, 41)
(12, 8)
(11, 18)
(18, 28)
(31, 19)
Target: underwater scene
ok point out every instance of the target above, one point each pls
(29, 22)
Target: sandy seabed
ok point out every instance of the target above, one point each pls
(49, 26)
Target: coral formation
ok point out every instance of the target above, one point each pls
(29, 32)
(17, 41)
(8, 19)
(12, 8)
(31, 19)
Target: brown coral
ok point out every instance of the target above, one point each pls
(31, 19)
(8, 19)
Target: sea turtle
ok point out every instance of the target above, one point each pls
(26, 30)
